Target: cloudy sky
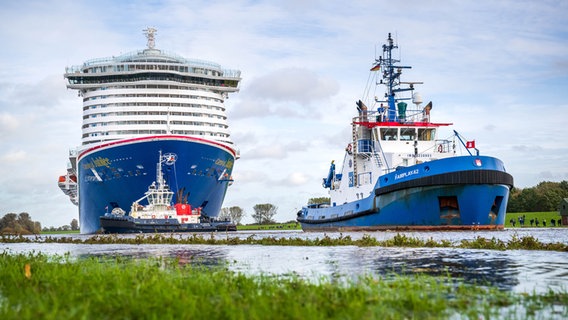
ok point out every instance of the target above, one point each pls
(497, 69)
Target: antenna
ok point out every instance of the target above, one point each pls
(150, 32)
(375, 52)
(399, 49)
(396, 37)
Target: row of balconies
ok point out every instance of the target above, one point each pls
(157, 126)
(137, 94)
(129, 106)
(96, 137)
(152, 115)
(195, 122)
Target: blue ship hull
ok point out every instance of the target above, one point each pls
(469, 192)
(118, 173)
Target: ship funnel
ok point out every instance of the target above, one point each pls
(362, 108)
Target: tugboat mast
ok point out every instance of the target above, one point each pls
(391, 78)
(159, 174)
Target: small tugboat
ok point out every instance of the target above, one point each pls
(397, 174)
(159, 215)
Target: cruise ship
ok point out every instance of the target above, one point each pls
(141, 104)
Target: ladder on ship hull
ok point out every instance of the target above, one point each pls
(354, 150)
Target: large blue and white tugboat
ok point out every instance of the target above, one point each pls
(398, 175)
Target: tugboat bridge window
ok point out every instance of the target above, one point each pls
(407, 134)
(389, 134)
(426, 134)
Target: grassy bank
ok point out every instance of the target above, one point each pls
(62, 232)
(36, 286)
(276, 226)
(541, 216)
(399, 240)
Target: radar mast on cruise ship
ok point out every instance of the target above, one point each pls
(150, 32)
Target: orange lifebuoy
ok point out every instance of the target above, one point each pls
(440, 148)
(153, 216)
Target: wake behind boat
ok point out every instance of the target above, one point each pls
(397, 174)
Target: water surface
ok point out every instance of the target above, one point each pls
(514, 270)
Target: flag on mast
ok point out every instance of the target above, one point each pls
(470, 144)
(376, 67)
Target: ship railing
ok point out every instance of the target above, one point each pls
(133, 78)
(73, 69)
(443, 146)
(365, 146)
(133, 57)
(386, 115)
(73, 152)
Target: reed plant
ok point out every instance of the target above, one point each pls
(398, 240)
(37, 286)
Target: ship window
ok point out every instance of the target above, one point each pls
(389, 133)
(407, 134)
(426, 134)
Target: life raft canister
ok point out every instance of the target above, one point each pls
(183, 209)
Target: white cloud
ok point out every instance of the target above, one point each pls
(293, 84)
(296, 179)
(273, 151)
(289, 93)
(8, 123)
(14, 157)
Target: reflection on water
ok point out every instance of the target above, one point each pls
(516, 270)
(472, 266)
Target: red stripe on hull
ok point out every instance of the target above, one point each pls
(161, 137)
(407, 228)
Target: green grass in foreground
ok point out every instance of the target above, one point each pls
(36, 286)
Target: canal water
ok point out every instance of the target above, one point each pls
(512, 270)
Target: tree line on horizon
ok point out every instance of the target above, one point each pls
(22, 223)
(546, 196)
(263, 214)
